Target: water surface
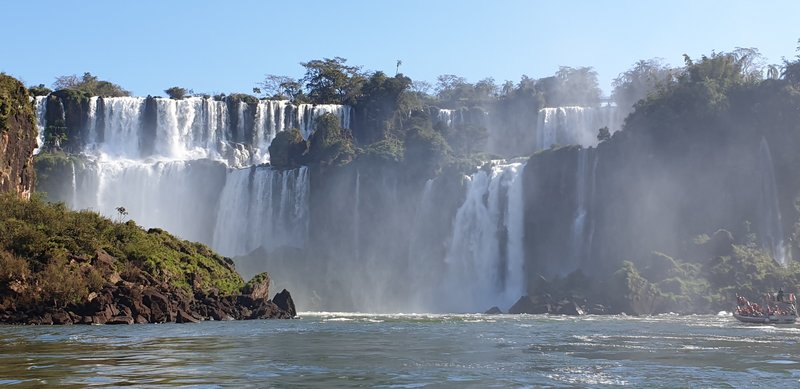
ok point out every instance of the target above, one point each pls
(407, 351)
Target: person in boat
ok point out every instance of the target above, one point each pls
(780, 294)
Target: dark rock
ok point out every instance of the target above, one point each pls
(494, 311)
(61, 317)
(284, 301)
(120, 320)
(185, 317)
(569, 308)
(526, 305)
(597, 309)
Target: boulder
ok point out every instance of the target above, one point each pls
(284, 301)
(61, 317)
(526, 305)
(494, 311)
(121, 319)
(258, 287)
(186, 317)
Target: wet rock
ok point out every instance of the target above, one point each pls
(527, 305)
(284, 301)
(185, 317)
(61, 317)
(493, 311)
(122, 319)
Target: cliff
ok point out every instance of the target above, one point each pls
(17, 137)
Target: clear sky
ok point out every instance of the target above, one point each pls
(214, 46)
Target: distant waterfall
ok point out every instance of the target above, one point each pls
(485, 257)
(41, 123)
(582, 231)
(262, 207)
(159, 194)
(573, 125)
(770, 226)
(192, 127)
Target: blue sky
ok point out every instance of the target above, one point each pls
(213, 47)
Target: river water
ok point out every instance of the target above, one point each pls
(408, 351)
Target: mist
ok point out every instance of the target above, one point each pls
(515, 189)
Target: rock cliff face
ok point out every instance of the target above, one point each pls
(17, 137)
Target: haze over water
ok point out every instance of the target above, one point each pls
(408, 351)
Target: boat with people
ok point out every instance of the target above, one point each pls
(777, 308)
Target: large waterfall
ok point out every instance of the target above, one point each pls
(189, 166)
(484, 262)
(262, 207)
(561, 126)
(197, 127)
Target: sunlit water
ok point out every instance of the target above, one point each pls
(408, 351)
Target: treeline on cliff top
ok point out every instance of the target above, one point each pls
(392, 122)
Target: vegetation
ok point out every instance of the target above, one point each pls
(178, 93)
(39, 90)
(287, 149)
(46, 248)
(89, 85)
(330, 144)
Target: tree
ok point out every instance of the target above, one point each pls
(381, 99)
(178, 93)
(39, 90)
(331, 81)
(636, 83)
(426, 151)
(603, 134)
(576, 86)
(280, 87)
(90, 85)
(330, 144)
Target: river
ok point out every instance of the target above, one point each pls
(407, 351)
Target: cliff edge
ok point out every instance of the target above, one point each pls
(17, 137)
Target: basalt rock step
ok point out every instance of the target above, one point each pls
(129, 303)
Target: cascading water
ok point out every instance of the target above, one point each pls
(170, 186)
(574, 125)
(197, 127)
(770, 225)
(484, 259)
(41, 123)
(259, 207)
(450, 117)
(582, 227)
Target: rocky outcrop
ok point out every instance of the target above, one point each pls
(284, 301)
(17, 137)
(142, 302)
(539, 305)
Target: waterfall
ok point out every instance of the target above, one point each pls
(41, 123)
(357, 217)
(262, 207)
(192, 128)
(122, 118)
(309, 113)
(582, 229)
(91, 121)
(574, 125)
(770, 226)
(484, 260)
